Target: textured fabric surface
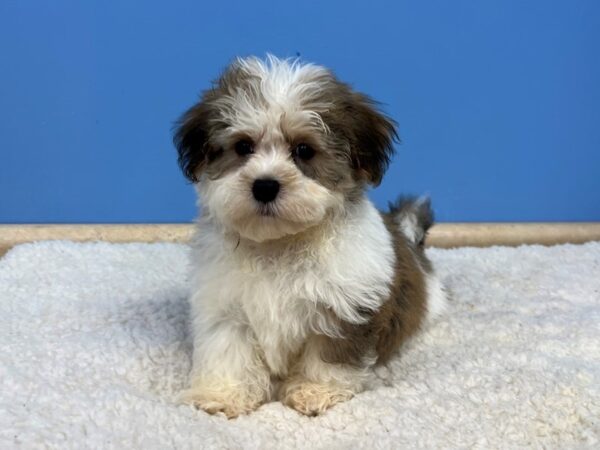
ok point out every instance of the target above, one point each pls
(94, 347)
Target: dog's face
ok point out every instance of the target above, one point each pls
(276, 146)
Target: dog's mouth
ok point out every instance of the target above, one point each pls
(266, 211)
(272, 221)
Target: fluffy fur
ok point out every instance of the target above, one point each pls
(299, 296)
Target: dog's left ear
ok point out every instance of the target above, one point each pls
(374, 137)
(191, 140)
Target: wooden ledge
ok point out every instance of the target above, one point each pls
(448, 235)
(444, 235)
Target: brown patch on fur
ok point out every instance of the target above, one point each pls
(399, 317)
(361, 130)
(402, 315)
(198, 125)
(191, 139)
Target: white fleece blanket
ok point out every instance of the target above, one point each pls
(94, 347)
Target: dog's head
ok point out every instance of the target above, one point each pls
(275, 146)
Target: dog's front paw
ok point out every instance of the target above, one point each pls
(312, 398)
(221, 398)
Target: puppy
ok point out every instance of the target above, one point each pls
(300, 285)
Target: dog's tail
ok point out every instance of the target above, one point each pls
(414, 217)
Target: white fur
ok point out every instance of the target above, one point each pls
(278, 295)
(254, 305)
(408, 221)
(291, 99)
(408, 227)
(437, 300)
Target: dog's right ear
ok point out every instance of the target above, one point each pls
(191, 140)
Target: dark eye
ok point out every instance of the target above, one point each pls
(244, 147)
(304, 152)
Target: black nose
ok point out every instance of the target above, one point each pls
(265, 190)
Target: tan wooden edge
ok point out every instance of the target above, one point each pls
(441, 235)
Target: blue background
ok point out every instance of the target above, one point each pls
(498, 101)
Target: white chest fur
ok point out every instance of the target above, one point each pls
(281, 293)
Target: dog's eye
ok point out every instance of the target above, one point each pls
(244, 147)
(304, 152)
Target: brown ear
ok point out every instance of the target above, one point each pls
(191, 140)
(374, 134)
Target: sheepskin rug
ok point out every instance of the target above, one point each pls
(95, 347)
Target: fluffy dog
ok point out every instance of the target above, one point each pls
(300, 285)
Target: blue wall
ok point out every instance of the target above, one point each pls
(498, 101)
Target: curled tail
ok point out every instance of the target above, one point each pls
(414, 217)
